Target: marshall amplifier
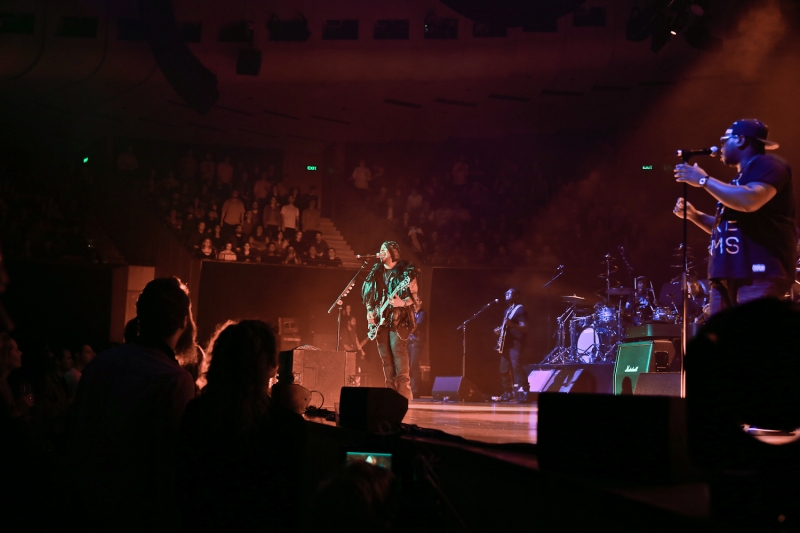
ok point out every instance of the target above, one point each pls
(634, 358)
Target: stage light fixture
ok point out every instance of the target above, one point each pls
(661, 32)
(295, 30)
(679, 22)
(698, 8)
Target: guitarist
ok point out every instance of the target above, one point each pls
(512, 372)
(393, 335)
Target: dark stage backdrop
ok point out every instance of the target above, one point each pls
(242, 290)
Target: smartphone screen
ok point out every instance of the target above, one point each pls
(383, 460)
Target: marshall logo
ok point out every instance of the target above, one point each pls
(630, 368)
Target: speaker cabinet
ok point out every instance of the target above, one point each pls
(320, 371)
(374, 409)
(658, 384)
(249, 62)
(456, 388)
(634, 358)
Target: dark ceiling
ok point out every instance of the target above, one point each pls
(58, 89)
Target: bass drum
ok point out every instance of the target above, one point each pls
(594, 344)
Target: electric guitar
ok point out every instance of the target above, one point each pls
(373, 328)
(502, 330)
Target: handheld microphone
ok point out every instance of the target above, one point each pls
(368, 256)
(712, 151)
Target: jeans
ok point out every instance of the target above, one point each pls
(394, 355)
(511, 365)
(415, 353)
(726, 293)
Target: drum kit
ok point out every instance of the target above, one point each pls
(591, 333)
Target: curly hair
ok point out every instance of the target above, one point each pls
(242, 361)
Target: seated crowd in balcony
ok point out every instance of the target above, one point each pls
(237, 213)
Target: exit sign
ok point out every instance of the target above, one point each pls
(647, 167)
(311, 167)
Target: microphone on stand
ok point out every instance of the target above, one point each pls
(712, 151)
(368, 256)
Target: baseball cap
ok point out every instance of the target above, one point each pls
(750, 127)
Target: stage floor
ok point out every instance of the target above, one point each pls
(495, 423)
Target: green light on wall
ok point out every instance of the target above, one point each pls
(311, 167)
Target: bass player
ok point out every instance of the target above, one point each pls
(513, 333)
(397, 321)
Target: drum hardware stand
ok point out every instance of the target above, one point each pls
(463, 329)
(338, 303)
(560, 352)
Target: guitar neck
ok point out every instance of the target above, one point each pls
(390, 297)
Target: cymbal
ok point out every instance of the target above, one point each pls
(620, 291)
(604, 275)
(574, 299)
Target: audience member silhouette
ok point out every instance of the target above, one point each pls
(240, 455)
(127, 412)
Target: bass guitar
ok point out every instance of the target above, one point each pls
(373, 328)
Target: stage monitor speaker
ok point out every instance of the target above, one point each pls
(572, 379)
(634, 358)
(374, 409)
(538, 379)
(631, 438)
(658, 384)
(320, 371)
(456, 387)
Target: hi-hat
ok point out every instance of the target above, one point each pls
(574, 299)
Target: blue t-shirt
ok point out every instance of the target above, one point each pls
(760, 244)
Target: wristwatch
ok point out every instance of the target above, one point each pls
(702, 182)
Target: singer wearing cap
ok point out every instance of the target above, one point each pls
(752, 251)
(397, 322)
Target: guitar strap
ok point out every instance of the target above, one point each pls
(513, 309)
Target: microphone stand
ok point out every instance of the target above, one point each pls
(338, 303)
(463, 328)
(556, 275)
(684, 279)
